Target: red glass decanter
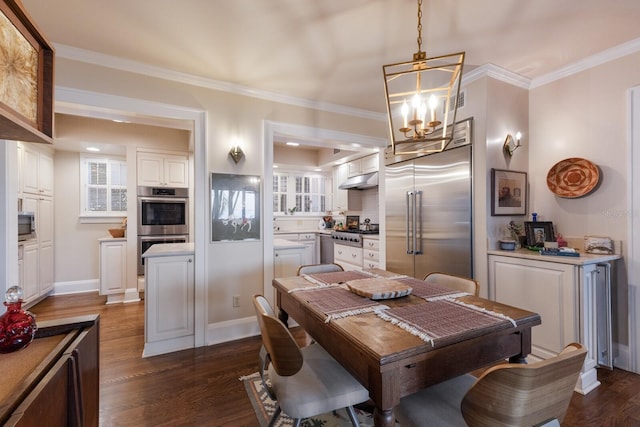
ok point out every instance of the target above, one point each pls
(17, 326)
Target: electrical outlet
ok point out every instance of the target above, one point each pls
(236, 300)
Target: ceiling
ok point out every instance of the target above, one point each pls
(332, 51)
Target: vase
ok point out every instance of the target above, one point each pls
(17, 326)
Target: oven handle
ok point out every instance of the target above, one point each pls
(163, 237)
(163, 199)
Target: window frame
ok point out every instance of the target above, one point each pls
(109, 216)
(292, 194)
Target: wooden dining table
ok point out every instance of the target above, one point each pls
(399, 345)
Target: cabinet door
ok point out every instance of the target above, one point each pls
(546, 288)
(354, 168)
(113, 267)
(30, 170)
(176, 171)
(44, 221)
(340, 197)
(150, 170)
(45, 174)
(348, 256)
(169, 297)
(29, 281)
(45, 268)
(369, 164)
(84, 352)
(287, 261)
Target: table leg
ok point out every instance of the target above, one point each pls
(383, 418)
(525, 348)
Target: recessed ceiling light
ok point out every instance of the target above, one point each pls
(95, 149)
(275, 166)
(318, 170)
(293, 144)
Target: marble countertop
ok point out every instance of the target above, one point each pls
(286, 244)
(169, 249)
(583, 259)
(112, 239)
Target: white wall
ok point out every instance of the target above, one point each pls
(585, 115)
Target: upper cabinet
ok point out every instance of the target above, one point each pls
(363, 165)
(36, 171)
(163, 170)
(340, 197)
(26, 95)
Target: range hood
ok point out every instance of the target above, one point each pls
(360, 182)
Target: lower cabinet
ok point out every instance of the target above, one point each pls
(349, 257)
(370, 253)
(59, 385)
(169, 323)
(286, 261)
(565, 292)
(113, 266)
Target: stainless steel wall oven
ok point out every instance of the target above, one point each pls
(163, 217)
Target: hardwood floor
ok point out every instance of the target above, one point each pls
(200, 387)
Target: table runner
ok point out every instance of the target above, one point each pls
(443, 322)
(336, 302)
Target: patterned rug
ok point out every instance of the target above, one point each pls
(264, 408)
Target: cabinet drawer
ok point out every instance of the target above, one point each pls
(371, 255)
(372, 244)
(348, 254)
(307, 236)
(371, 264)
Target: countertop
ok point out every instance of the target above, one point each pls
(112, 239)
(583, 259)
(285, 244)
(169, 249)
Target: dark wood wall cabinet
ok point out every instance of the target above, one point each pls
(26, 72)
(55, 380)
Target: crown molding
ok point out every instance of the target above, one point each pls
(616, 52)
(114, 62)
(498, 73)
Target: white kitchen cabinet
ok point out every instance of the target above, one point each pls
(349, 257)
(38, 256)
(113, 266)
(169, 298)
(29, 275)
(370, 253)
(310, 247)
(340, 197)
(287, 260)
(162, 170)
(36, 170)
(563, 291)
(362, 165)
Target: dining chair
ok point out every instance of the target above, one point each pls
(319, 268)
(537, 394)
(306, 381)
(462, 284)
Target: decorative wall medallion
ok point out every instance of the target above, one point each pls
(573, 177)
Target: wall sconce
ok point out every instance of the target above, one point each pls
(236, 153)
(511, 145)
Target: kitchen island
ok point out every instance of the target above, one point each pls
(169, 298)
(571, 294)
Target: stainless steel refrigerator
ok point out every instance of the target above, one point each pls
(428, 210)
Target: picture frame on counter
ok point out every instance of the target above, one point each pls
(508, 192)
(539, 232)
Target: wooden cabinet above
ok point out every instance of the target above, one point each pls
(26, 100)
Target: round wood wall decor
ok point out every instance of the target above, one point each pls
(573, 177)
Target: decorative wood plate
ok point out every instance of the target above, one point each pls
(573, 177)
(379, 288)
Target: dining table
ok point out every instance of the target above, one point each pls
(397, 334)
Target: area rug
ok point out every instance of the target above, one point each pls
(264, 408)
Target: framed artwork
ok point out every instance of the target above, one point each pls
(235, 207)
(508, 192)
(539, 232)
(26, 73)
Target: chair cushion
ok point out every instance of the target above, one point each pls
(320, 386)
(438, 405)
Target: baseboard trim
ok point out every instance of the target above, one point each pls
(76, 287)
(231, 330)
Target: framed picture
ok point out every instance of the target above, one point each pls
(235, 207)
(508, 192)
(539, 232)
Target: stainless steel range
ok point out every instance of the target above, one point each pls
(350, 237)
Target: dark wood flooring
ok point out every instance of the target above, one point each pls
(200, 387)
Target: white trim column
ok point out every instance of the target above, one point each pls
(633, 237)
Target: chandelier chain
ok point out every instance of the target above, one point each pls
(419, 25)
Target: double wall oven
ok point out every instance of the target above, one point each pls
(163, 217)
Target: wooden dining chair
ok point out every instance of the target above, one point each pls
(504, 395)
(319, 268)
(304, 382)
(462, 284)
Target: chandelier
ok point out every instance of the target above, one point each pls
(422, 99)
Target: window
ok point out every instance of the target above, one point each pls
(103, 186)
(299, 192)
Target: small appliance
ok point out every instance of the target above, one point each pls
(26, 226)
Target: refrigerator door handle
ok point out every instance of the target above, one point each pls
(417, 224)
(408, 222)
